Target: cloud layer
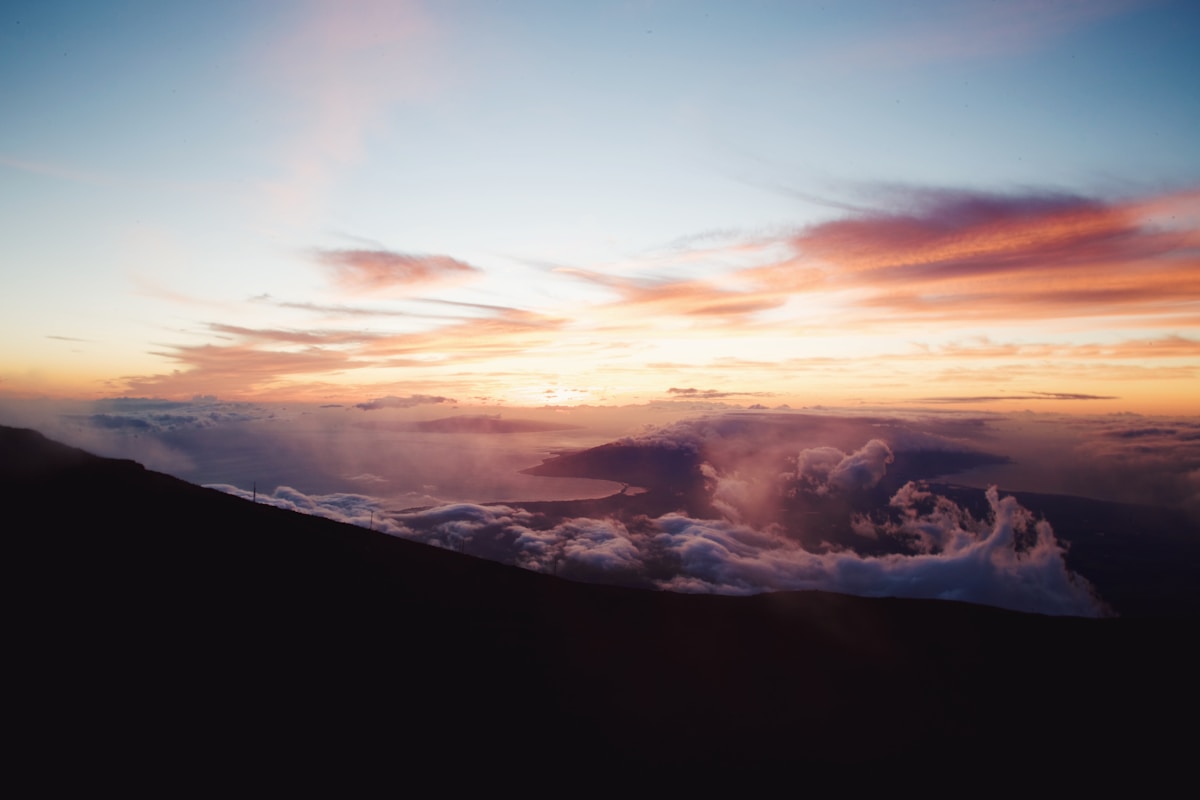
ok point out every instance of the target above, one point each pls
(945, 254)
(929, 284)
(770, 500)
(779, 517)
(1006, 559)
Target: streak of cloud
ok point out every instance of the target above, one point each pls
(711, 394)
(237, 369)
(511, 332)
(664, 298)
(375, 270)
(273, 359)
(1173, 346)
(322, 338)
(968, 31)
(391, 401)
(1002, 397)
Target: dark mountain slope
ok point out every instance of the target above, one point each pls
(160, 626)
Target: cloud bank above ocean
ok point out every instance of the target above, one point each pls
(768, 504)
(959, 558)
(763, 500)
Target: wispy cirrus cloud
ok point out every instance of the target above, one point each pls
(340, 67)
(260, 360)
(710, 394)
(667, 298)
(238, 369)
(323, 338)
(392, 401)
(1025, 396)
(967, 31)
(374, 270)
(1173, 346)
(331, 311)
(505, 332)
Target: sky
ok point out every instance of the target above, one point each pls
(371, 260)
(960, 205)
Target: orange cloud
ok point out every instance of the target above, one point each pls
(270, 360)
(839, 310)
(956, 255)
(237, 369)
(686, 298)
(508, 332)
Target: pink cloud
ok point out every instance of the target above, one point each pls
(958, 255)
(372, 270)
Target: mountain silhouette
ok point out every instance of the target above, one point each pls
(178, 626)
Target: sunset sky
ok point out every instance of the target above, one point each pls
(983, 205)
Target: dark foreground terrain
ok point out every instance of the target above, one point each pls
(159, 628)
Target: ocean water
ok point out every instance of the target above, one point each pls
(407, 468)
